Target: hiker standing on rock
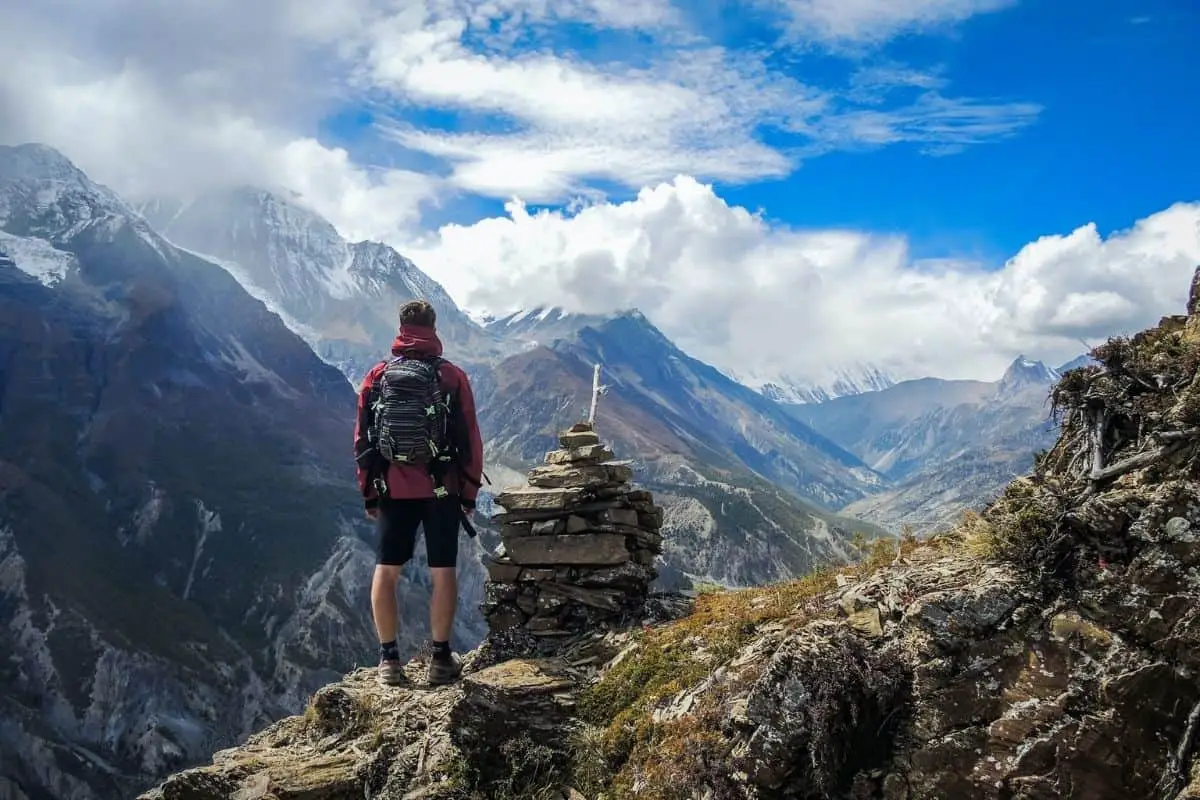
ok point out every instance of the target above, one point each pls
(420, 459)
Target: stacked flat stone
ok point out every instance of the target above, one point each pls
(578, 543)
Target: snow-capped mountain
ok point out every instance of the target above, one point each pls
(1023, 373)
(832, 382)
(543, 325)
(710, 447)
(183, 556)
(341, 296)
(1084, 360)
(946, 444)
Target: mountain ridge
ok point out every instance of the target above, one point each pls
(945, 445)
(664, 412)
(1042, 648)
(177, 506)
(341, 296)
(679, 423)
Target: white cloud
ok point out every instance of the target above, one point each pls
(695, 112)
(844, 22)
(942, 125)
(202, 95)
(755, 298)
(179, 96)
(154, 98)
(556, 122)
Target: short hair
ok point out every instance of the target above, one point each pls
(418, 312)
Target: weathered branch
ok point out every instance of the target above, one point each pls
(1134, 462)
(1175, 436)
(1176, 775)
(1098, 442)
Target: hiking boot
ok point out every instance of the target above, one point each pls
(391, 673)
(444, 668)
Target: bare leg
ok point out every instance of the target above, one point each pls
(383, 601)
(443, 603)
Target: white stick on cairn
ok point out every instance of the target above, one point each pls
(597, 390)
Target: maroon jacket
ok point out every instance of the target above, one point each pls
(407, 481)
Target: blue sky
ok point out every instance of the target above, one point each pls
(1115, 139)
(1110, 142)
(784, 187)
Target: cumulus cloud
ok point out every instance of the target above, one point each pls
(197, 95)
(766, 300)
(156, 98)
(176, 97)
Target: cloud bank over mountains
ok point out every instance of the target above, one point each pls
(499, 100)
(740, 292)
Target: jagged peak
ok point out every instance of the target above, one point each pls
(286, 206)
(376, 258)
(1024, 371)
(36, 175)
(819, 383)
(37, 160)
(553, 314)
(42, 164)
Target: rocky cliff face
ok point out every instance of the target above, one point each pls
(182, 551)
(1046, 648)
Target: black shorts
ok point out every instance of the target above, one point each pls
(398, 521)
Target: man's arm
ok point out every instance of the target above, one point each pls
(364, 450)
(472, 461)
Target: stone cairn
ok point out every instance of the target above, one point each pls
(578, 543)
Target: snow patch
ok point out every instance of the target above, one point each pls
(258, 293)
(253, 369)
(821, 384)
(146, 517)
(207, 522)
(38, 258)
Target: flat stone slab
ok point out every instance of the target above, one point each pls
(521, 691)
(502, 571)
(588, 508)
(583, 549)
(535, 499)
(593, 453)
(582, 476)
(580, 439)
(627, 576)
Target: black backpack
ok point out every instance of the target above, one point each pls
(412, 414)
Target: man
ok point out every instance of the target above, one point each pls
(417, 468)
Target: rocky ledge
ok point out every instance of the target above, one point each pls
(1046, 648)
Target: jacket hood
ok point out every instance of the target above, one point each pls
(418, 341)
